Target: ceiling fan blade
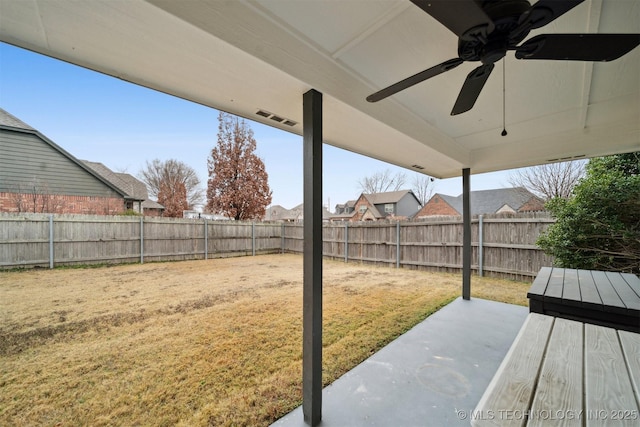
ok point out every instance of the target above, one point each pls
(546, 11)
(578, 47)
(415, 79)
(471, 89)
(458, 16)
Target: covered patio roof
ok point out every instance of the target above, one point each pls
(256, 59)
(313, 63)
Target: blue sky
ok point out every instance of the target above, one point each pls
(103, 119)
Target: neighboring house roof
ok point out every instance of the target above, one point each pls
(491, 201)
(138, 191)
(116, 179)
(132, 186)
(370, 213)
(279, 213)
(386, 197)
(341, 217)
(373, 210)
(349, 204)
(9, 120)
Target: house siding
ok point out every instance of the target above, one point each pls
(25, 157)
(407, 206)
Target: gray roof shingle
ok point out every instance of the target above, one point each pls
(490, 201)
(9, 120)
(387, 197)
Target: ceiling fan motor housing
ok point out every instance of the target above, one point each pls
(478, 45)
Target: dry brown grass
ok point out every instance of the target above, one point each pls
(213, 342)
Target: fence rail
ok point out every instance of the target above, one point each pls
(502, 246)
(37, 240)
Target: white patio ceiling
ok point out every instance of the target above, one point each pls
(244, 56)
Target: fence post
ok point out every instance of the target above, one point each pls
(206, 239)
(480, 239)
(253, 238)
(51, 241)
(141, 240)
(282, 238)
(398, 244)
(346, 241)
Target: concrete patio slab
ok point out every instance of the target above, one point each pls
(433, 375)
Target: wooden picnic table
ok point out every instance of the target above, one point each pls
(598, 297)
(564, 373)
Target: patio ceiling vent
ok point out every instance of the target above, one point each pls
(276, 118)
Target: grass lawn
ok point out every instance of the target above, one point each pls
(215, 342)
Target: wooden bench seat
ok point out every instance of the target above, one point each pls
(603, 298)
(564, 372)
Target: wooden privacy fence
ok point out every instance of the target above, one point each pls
(501, 245)
(29, 240)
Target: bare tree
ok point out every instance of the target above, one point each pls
(170, 175)
(36, 197)
(381, 182)
(550, 180)
(238, 181)
(422, 188)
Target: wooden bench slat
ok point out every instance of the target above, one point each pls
(590, 296)
(610, 299)
(571, 290)
(633, 281)
(538, 287)
(556, 283)
(560, 383)
(629, 298)
(539, 284)
(513, 384)
(631, 348)
(607, 385)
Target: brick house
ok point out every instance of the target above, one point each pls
(37, 175)
(502, 200)
(397, 205)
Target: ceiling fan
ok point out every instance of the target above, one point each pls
(487, 29)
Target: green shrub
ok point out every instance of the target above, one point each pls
(599, 226)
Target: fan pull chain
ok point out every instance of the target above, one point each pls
(504, 104)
